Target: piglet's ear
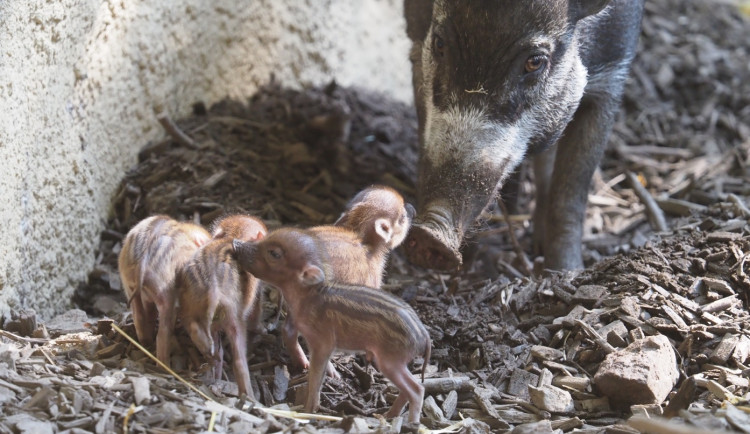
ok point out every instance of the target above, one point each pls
(201, 239)
(384, 229)
(260, 235)
(312, 275)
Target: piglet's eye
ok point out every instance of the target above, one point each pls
(274, 253)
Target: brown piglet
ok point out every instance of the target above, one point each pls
(373, 223)
(151, 254)
(335, 316)
(216, 296)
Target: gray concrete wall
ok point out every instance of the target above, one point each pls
(79, 80)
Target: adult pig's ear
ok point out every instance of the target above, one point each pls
(312, 275)
(418, 14)
(583, 8)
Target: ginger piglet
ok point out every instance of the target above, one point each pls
(216, 296)
(374, 223)
(335, 316)
(151, 254)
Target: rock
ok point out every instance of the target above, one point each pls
(141, 390)
(72, 321)
(642, 373)
(551, 398)
(22, 323)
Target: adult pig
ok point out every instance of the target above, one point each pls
(495, 81)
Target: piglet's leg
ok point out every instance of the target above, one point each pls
(166, 307)
(409, 390)
(218, 356)
(237, 332)
(319, 355)
(201, 338)
(291, 342)
(144, 317)
(290, 337)
(255, 318)
(331, 370)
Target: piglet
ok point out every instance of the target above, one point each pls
(335, 316)
(246, 228)
(373, 223)
(151, 254)
(215, 296)
(379, 219)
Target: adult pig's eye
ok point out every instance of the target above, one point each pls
(535, 63)
(438, 45)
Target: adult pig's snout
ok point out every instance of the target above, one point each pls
(433, 241)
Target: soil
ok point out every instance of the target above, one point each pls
(295, 157)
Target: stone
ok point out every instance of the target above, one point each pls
(642, 373)
(552, 399)
(141, 390)
(69, 322)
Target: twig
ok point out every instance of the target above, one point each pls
(173, 130)
(131, 411)
(655, 214)
(160, 363)
(741, 207)
(526, 269)
(275, 412)
(25, 340)
(720, 304)
(593, 334)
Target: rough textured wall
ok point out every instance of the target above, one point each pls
(79, 80)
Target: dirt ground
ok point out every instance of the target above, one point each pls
(680, 150)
